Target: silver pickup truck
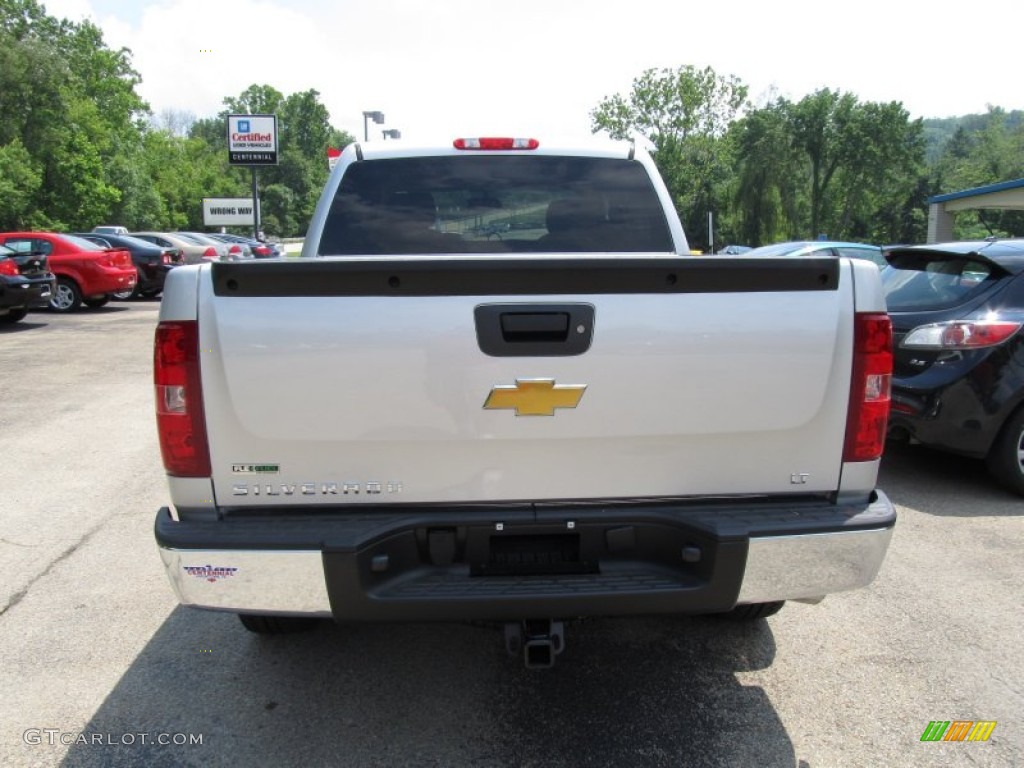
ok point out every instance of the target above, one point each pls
(496, 386)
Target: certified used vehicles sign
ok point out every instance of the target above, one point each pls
(252, 139)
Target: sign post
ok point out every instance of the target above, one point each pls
(252, 141)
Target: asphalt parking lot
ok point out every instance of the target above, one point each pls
(101, 667)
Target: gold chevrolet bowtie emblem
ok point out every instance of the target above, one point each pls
(534, 397)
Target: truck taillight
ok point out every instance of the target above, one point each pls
(181, 425)
(868, 413)
(496, 143)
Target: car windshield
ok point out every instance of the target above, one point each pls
(516, 204)
(5, 251)
(916, 282)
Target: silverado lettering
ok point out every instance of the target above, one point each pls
(371, 488)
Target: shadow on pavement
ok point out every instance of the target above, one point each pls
(112, 307)
(21, 325)
(643, 691)
(958, 486)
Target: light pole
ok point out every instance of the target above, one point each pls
(392, 133)
(377, 117)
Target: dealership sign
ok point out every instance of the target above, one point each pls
(252, 139)
(227, 212)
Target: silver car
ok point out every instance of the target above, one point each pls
(225, 251)
(193, 251)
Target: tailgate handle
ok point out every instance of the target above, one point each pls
(534, 330)
(519, 327)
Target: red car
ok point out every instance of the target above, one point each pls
(85, 271)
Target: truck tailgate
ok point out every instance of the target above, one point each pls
(347, 381)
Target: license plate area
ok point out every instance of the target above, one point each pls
(532, 555)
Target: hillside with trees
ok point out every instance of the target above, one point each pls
(827, 164)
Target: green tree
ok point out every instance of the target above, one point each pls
(768, 176)
(686, 114)
(820, 127)
(278, 209)
(184, 171)
(70, 103)
(882, 173)
(831, 165)
(255, 100)
(19, 183)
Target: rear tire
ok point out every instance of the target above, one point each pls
(276, 625)
(752, 611)
(126, 295)
(130, 294)
(96, 303)
(1006, 458)
(13, 316)
(67, 297)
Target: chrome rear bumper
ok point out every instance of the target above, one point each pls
(649, 560)
(812, 566)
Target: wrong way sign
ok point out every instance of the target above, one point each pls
(228, 212)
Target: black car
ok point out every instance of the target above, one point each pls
(958, 372)
(152, 262)
(25, 283)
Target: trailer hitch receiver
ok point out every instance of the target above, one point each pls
(539, 641)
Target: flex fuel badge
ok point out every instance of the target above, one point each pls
(255, 469)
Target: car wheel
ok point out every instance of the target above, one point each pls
(67, 297)
(125, 295)
(151, 294)
(1006, 458)
(100, 301)
(276, 625)
(752, 611)
(13, 316)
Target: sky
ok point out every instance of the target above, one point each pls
(438, 69)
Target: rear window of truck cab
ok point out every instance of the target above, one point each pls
(495, 204)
